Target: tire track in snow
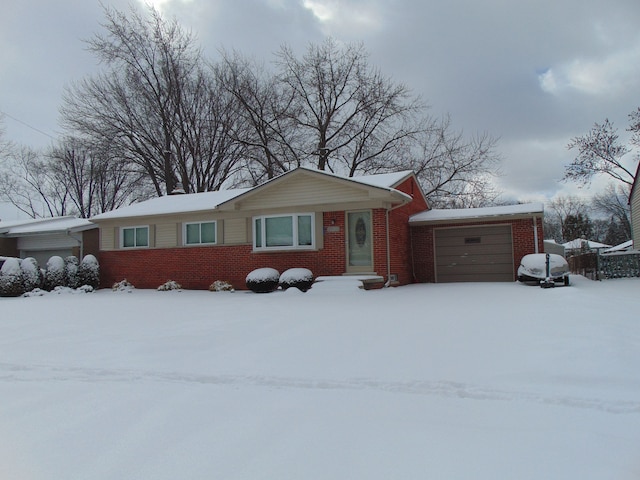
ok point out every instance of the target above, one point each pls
(447, 389)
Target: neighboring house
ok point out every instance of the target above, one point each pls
(634, 204)
(551, 246)
(622, 247)
(580, 245)
(43, 238)
(475, 244)
(304, 218)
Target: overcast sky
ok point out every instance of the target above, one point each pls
(534, 73)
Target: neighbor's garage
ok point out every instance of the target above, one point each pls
(474, 244)
(474, 254)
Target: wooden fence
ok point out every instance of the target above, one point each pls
(611, 265)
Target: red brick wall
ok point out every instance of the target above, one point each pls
(199, 267)
(422, 253)
(522, 232)
(400, 232)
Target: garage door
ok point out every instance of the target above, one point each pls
(474, 254)
(43, 256)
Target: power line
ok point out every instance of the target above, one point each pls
(27, 125)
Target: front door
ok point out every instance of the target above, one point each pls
(359, 242)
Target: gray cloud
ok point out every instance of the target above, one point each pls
(533, 73)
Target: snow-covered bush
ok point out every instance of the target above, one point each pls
(32, 276)
(55, 273)
(263, 280)
(123, 286)
(221, 286)
(36, 292)
(301, 278)
(11, 278)
(89, 271)
(71, 277)
(169, 285)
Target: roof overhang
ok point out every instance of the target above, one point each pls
(476, 215)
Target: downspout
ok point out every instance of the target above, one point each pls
(388, 282)
(80, 243)
(386, 215)
(535, 233)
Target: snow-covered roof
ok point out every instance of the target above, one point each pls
(621, 247)
(383, 180)
(199, 202)
(45, 225)
(170, 204)
(471, 213)
(6, 225)
(577, 243)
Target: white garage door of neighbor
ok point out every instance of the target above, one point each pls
(43, 256)
(474, 254)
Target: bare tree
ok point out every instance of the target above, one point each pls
(565, 208)
(267, 109)
(30, 187)
(156, 103)
(96, 182)
(613, 202)
(454, 171)
(177, 118)
(600, 151)
(349, 113)
(5, 152)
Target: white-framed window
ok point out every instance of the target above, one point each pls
(133, 237)
(278, 232)
(198, 233)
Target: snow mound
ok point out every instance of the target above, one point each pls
(32, 276)
(123, 286)
(221, 286)
(263, 275)
(263, 280)
(11, 266)
(36, 292)
(296, 275)
(11, 278)
(169, 285)
(55, 273)
(301, 278)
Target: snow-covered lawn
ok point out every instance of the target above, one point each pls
(458, 381)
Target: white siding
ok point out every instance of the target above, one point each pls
(108, 238)
(166, 235)
(235, 231)
(635, 217)
(306, 191)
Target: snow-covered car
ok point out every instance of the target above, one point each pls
(545, 269)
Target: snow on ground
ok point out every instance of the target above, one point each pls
(458, 381)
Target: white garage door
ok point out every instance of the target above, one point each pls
(474, 254)
(43, 256)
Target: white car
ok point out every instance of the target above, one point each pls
(547, 269)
